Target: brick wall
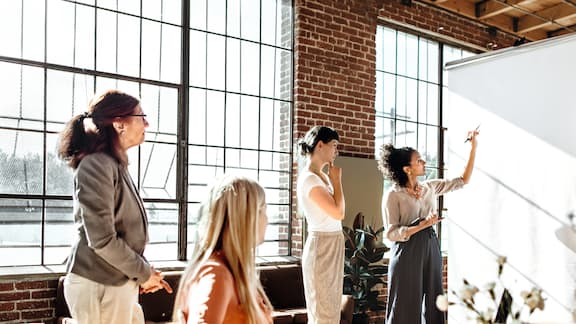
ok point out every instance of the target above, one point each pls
(26, 301)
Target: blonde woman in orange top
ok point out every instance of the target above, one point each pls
(221, 284)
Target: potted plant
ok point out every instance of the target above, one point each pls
(362, 270)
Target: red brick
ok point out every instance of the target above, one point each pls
(50, 293)
(9, 316)
(6, 307)
(38, 314)
(30, 285)
(37, 304)
(6, 286)
(20, 295)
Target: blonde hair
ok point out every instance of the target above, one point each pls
(229, 223)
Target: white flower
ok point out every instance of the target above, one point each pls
(490, 285)
(533, 299)
(442, 303)
(468, 291)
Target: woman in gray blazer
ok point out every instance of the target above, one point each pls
(106, 267)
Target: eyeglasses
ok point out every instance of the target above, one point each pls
(131, 115)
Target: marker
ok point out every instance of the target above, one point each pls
(469, 138)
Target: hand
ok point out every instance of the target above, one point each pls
(430, 220)
(155, 283)
(334, 173)
(472, 137)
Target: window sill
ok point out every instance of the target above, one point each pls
(55, 271)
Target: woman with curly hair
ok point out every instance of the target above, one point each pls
(409, 209)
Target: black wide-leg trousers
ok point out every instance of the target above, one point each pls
(415, 280)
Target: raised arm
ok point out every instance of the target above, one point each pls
(470, 164)
(333, 205)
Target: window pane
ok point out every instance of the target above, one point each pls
(22, 95)
(58, 174)
(428, 144)
(60, 231)
(197, 117)
(198, 59)
(22, 162)
(20, 232)
(233, 65)
(163, 231)
(250, 19)
(160, 104)
(428, 103)
(198, 14)
(216, 47)
(405, 134)
(128, 45)
(406, 100)
(60, 32)
(250, 69)
(157, 170)
(217, 16)
(389, 50)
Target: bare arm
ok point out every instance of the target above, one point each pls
(470, 164)
(333, 205)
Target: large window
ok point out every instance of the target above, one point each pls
(409, 83)
(215, 82)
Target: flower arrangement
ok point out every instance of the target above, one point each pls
(496, 311)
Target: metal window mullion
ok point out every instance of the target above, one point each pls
(182, 133)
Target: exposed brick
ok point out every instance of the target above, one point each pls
(36, 304)
(30, 285)
(38, 314)
(20, 295)
(44, 294)
(7, 307)
(9, 316)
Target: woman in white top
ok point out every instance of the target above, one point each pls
(409, 208)
(322, 200)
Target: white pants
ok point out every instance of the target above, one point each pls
(94, 303)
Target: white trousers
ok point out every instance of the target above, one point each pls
(94, 303)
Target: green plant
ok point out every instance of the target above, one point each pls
(361, 269)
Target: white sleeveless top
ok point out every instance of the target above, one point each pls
(318, 220)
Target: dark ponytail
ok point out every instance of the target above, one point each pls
(392, 162)
(325, 134)
(93, 131)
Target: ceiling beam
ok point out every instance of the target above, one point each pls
(562, 31)
(546, 17)
(489, 8)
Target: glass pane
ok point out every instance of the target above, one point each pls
(248, 119)
(22, 96)
(130, 6)
(107, 41)
(407, 99)
(172, 11)
(198, 59)
(233, 65)
(233, 18)
(198, 14)
(250, 19)
(217, 16)
(128, 45)
(20, 232)
(405, 133)
(33, 29)
(250, 69)
(152, 9)
(170, 45)
(58, 174)
(388, 94)
(272, 248)
(151, 36)
(428, 103)
(199, 176)
(11, 19)
(389, 50)
(428, 144)
(270, 125)
(428, 60)
(191, 228)
(60, 231)
(68, 95)
(277, 213)
(233, 119)
(60, 32)
(160, 104)
(158, 170)
(22, 160)
(277, 23)
(407, 55)
(215, 118)
(276, 72)
(215, 62)
(273, 179)
(197, 118)
(84, 41)
(163, 231)
(385, 128)
(276, 232)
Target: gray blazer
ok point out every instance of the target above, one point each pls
(111, 222)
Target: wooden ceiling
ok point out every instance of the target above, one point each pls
(532, 19)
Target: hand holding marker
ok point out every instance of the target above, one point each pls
(475, 130)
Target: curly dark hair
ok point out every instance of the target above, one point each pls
(313, 136)
(393, 160)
